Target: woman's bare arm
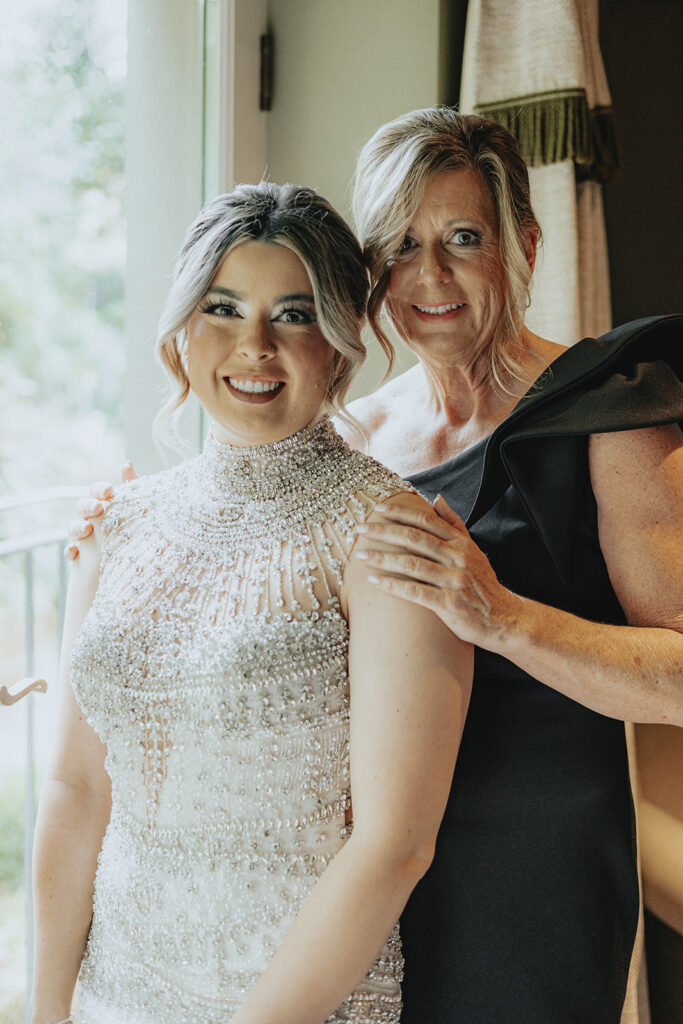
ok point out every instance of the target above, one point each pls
(632, 672)
(410, 686)
(74, 810)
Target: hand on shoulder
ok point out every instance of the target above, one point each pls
(425, 555)
(90, 509)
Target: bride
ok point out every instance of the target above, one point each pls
(235, 675)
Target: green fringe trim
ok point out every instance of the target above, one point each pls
(555, 126)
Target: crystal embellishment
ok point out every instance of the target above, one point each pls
(213, 665)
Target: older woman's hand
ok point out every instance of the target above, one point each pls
(90, 508)
(441, 568)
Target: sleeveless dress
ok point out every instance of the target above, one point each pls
(213, 665)
(528, 913)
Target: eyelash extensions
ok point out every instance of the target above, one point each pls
(210, 306)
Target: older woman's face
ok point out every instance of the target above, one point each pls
(447, 290)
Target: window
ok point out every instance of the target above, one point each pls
(62, 264)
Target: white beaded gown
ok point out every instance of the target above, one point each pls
(213, 665)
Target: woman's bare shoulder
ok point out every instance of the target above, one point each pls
(376, 410)
(369, 411)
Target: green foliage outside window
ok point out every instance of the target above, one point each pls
(62, 259)
(62, 243)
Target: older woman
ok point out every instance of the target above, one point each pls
(556, 555)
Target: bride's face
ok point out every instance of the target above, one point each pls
(256, 358)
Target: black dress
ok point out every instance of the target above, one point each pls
(529, 911)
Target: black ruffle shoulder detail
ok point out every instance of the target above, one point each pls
(629, 378)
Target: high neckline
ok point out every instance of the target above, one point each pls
(267, 471)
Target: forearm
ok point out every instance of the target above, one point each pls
(335, 938)
(628, 672)
(71, 823)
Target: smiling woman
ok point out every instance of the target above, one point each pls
(198, 854)
(554, 547)
(254, 340)
(316, 303)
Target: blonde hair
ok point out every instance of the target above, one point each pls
(392, 173)
(291, 216)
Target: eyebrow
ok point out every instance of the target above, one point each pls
(296, 297)
(293, 297)
(225, 291)
(460, 220)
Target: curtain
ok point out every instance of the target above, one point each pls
(535, 66)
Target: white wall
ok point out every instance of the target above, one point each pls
(343, 68)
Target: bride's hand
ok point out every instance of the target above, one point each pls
(90, 508)
(441, 568)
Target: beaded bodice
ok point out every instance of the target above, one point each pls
(213, 665)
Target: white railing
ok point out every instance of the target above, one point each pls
(25, 547)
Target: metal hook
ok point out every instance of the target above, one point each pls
(8, 698)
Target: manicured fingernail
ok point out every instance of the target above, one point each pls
(94, 506)
(70, 552)
(373, 579)
(381, 507)
(108, 494)
(363, 555)
(362, 528)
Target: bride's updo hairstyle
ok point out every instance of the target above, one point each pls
(291, 216)
(393, 171)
